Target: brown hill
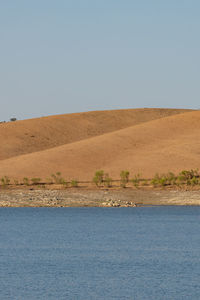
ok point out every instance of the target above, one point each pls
(33, 135)
(167, 144)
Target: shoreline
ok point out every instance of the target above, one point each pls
(97, 198)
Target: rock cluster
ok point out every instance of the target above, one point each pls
(118, 203)
(4, 203)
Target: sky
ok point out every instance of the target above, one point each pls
(65, 56)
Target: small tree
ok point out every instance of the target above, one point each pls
(107, 180)
(5, 181)
(13, 119)
(98, 178)
(189, 174)
(26, 181)
(136, 180)
(58, 179)
(124, 178)
(74, 183)
(16, 182)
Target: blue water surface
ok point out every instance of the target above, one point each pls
(100, 253)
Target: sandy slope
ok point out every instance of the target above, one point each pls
(32, 135)
(170, 143)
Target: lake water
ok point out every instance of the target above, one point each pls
(100, 253)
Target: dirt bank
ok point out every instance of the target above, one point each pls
(96, 198)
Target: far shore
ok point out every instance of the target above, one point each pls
(93, 197)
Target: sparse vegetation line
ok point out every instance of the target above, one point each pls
(101, 179)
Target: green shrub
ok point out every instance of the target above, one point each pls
(194, 181)
(171, 178)
(189, 174)
(107, 180)
(5, 181)
(145, 182)
(188, 177)
(36, 180)
(16, 182)
(180, 180)
(98, 178)
(159, 180)
(58, 179)
(74, 183)
(136, 180)
(95, 180)
(26, 181)
(49, 180)
(163, 181)
(63, 182)
(54, 177)
(124, 178)
(154, 181)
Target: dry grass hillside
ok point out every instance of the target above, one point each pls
(169, 141)
(33, 135)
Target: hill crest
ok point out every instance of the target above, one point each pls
(160, 145)
(33, 135)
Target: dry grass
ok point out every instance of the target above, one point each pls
(145, 141)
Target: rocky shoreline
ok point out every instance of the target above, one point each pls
(96, 198)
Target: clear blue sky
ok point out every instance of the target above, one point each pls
(66, 56)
